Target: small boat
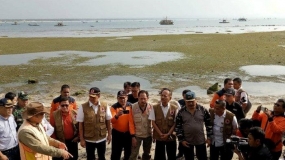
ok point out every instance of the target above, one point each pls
(242, 19)
(15, 23)
(59, 24)
(224, 21)
(166, 22)
(33, 24)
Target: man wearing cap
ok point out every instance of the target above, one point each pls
(9, 148)
(64, 92)
(224, 124)
(163, 117)
(66, 127)
(143, 131)
(190, 127)
(23, 100)
(33, 142)
(123, 132)
(94, 123)
(233, 106)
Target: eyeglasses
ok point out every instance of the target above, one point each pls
(276, 104)
(64, 105)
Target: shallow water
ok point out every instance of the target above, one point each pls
(264, 70)
(136, 58)
(113, 84)
(264, 88)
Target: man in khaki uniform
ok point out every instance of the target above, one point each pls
(141, 111)
(33, 141)
(163, 117)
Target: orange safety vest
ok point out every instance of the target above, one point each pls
(27, 153)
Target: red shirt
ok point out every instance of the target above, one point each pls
(68, 130)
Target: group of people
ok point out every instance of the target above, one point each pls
(132, 121)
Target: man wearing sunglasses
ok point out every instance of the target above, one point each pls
(66, 127)
(94, 122)
(273, 124)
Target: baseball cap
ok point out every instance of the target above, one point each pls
(23, 95)
(6, 102)
(230, 91)
(190, 96)
(122, 93)
(94, 91)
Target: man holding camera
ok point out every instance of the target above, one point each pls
(273, 124)
(123, 132)
(257, 149)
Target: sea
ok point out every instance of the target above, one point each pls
(133, 27)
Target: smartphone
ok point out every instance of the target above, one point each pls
(126, 111)
(264, 109)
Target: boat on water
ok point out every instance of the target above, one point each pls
(15, 23)
(166, 22)
(59, 24)
(33, 24)
(242, 19)
(224, 21)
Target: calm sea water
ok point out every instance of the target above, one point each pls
(107, 28)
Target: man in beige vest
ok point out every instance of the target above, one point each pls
(163, 120)
(94, 122)
(141, 111)
(66, 128)
(33, 142)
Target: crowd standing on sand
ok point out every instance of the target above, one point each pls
(132, 121)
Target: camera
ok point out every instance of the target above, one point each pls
(240, 143)
(126, 111)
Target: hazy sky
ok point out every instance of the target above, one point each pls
(47, 9)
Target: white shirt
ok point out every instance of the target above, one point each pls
(242, 94)
(164, 110)
(8, 133)
(80, 116)
(218, 129)
(47, 126)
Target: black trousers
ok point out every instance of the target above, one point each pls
(72, 148)
(180, 149)
(201, 152)
(91, 148)
(160, 146)
(13, 153)
(121, 140)
(276, 155)
(225, 152)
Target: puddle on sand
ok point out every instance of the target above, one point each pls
(136, 58)
(113, 84)
(264, 70)
(264, 88)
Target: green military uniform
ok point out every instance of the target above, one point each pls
(18, 116)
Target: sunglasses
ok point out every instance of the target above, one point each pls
(64, 105)
(276, 104)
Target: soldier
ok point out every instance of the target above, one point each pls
(23, 100)
(141, 111)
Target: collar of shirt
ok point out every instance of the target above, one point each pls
(91, 104)
(224, 114)
(164, 106)
(1, 117)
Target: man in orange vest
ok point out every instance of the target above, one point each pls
(66, 128)
(33, 142)
(64, 92)
(273, 124)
